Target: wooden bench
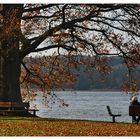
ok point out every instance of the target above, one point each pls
(16, 107)
(134, 110)
(111, 114)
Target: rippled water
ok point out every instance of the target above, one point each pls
(87, 105)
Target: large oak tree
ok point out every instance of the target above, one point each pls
(71, 29)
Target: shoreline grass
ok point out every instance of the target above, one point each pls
(28, 126)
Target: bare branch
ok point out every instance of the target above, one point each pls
(123, 53)
(115, 27)
(40, 39)
(40, 16)
(66, 47)
(31, 73)
(39, 8)
(63, 12)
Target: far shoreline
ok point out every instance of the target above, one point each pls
(96, 90)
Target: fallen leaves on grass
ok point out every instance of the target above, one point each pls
(41, 127)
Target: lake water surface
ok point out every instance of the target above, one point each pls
(87, 105)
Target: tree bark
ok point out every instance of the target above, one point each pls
(10, 54)
(9, 77)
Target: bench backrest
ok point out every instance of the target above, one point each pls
(14, 104)
(134, 110)
(5, 104)
(109, 110)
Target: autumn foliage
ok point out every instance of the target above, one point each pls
(69, 30)
(54, 127)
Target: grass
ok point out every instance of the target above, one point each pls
(27, 126)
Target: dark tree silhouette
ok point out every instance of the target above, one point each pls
(71, 29)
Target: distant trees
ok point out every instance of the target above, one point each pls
(95, 80)
(71, 29)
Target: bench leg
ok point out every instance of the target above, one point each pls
(134, 119)
(138, 119)
(34, 112)
(113, 119)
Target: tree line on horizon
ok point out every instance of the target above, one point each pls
(92, 79)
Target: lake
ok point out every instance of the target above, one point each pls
(86, 105)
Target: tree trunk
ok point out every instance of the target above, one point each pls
(9, 77)
(10, 54)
